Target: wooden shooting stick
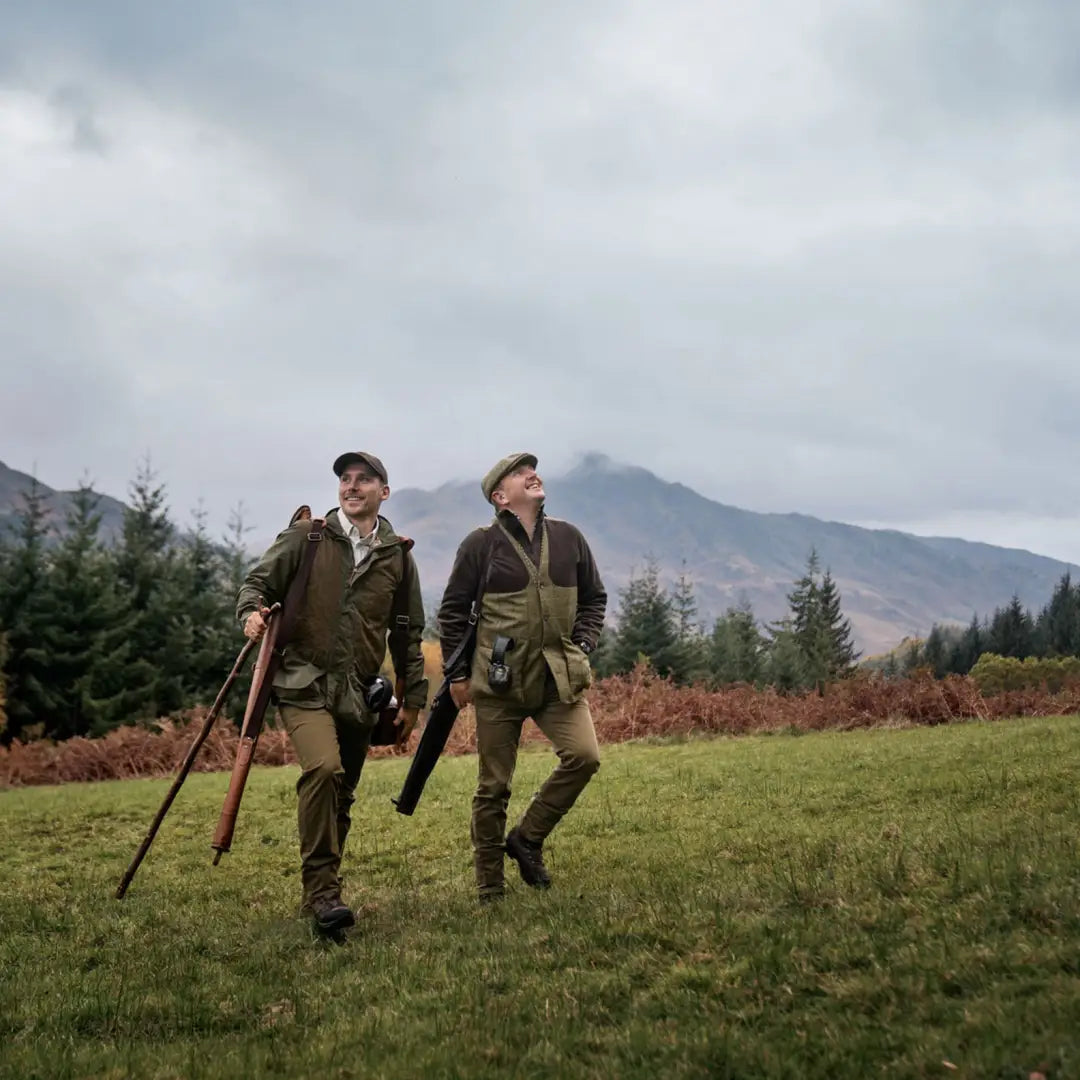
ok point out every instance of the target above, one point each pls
(258, 699)
(185, 768)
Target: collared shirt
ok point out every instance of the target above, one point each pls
(362, 546)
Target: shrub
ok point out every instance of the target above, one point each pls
(638, 705)
(998, 674)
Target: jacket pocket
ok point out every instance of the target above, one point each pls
(350, 707)
(578, 668)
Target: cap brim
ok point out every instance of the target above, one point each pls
(354, 458)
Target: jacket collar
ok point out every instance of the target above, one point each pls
(511, 521)
(385, 534)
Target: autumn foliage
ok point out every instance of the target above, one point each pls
(634, 706)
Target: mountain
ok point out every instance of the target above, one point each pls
(12, 485)
(893, 584)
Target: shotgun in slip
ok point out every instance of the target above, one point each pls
(258, 699)
(185, 768)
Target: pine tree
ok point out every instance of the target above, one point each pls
(238, 560)
(1012, 631)
(784, 663)
(647, 624)
(3, 685)
(146, 564)
(807, 623)
(689, 662)
(87, 636)
(821, 631)
(935, 655)
(1058, 625)
(737, 649)
(602, 657)
(842, 653)
(204, 636)
(25, 615)
(912, 657)
(968, 648)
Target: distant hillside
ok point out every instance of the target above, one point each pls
(893, 584)
(12, 485)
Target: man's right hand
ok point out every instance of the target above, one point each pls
(255, 624)
(460, 693)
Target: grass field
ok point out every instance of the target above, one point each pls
(885, 903)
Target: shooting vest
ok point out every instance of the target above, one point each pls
(540, 619)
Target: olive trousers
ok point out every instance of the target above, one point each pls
(331, 754)
(569, 728)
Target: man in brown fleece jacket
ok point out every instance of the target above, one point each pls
(542, 594)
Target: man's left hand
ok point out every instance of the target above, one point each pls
(406, 721)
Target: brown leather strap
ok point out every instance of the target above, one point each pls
(294, 598)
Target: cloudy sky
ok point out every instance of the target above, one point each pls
(802, 256)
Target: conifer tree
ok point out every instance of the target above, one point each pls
(935, 655)
(784, 665)
(842, 652)
(1058, 625)
(1012, 631)
(966, 651)
(204, 636)
(87, 635)
(689, 662)
(821, 632)
(25, 615)
(3, 685)
(647, 624)
(146, 564)
(736, 648)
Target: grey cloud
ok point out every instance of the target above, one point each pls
(821, 265)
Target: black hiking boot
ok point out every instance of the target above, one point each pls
(491, 896)
(330, 914)
(530, 860)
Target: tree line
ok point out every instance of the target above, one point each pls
(810, 646)
(93, 635)
(96, 634)
(1012, 631)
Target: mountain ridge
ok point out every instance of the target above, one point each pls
(893, 584)
(14, 483)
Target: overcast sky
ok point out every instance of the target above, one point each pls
(802, 256)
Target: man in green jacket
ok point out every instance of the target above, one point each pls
(541, 614)
(363, 587)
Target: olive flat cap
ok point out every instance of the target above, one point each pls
(361, 457)
(507, 465)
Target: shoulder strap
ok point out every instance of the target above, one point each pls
(535, 572)
(465, 645)
(399, 627)
(294, 598)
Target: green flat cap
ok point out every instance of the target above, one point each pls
(507, 465)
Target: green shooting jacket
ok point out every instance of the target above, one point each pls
(347, 614)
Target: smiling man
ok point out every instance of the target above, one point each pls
(363, 588)
(541, 612)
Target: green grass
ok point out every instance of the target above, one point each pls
(835, 905)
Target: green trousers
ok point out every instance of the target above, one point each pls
(498, 731)
(331, 756)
